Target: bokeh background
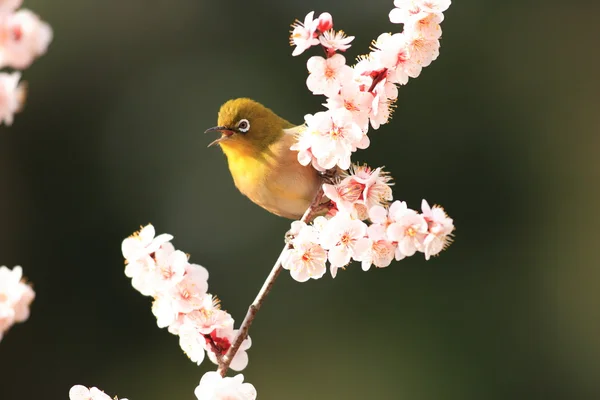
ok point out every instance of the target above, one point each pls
(502, 130)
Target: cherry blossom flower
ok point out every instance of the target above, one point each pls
(226, 337)
(326, 75)
(405, 11)
(375, 249)
(339, 237)
(359, 190)
(440, 228)
(214, 387)
(339, 137)
(357, 102)
(325, 22)
(408, 230)
(23, 37)
(12, 96)
(434, 6)
(143, 243)
(423, 51)
(427, 27)
(15, 298)
(79, 392)
(306, 259)
(170, 268)
(304, 34)
(392, 52)
(335, 41)
(192, 342)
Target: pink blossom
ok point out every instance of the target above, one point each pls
(15, 298)
(143, 243)
(188, 295)
(23, 37)
(385, 94)
(408, 230)
(304, 34)
(357, 102)
(170, 268)
(440, 227)
(375, 249)
(240, 360)
(214, 387)
(338, 137)
(360, 190)
(434, 6)
(192, 342)
(335, 41)
(339, 237)
(423, 51)
(427, 27)
(79, 392)
(326, 75)
(156, 271)
(306, 259)
(12, 96)
(363, 72)
(324, 22)
(392, 52)
(209, 317)
(405, 11)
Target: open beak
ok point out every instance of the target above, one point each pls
(226, 132)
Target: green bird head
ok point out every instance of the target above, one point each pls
(247, 126)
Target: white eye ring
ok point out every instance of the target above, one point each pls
(244, 125)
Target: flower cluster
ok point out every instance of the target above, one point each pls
(181, 301)
(395, 231)
(364, 93)
(79, 392)
(15, 298)
(23, 37)
(362, 224)
(214, 387)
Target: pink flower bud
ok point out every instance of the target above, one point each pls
(325, 22)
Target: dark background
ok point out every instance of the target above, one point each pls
(502, 130)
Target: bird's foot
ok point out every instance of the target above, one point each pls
(330, 176)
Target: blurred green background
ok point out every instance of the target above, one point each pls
(502, 130)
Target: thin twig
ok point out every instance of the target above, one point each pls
(262, 294)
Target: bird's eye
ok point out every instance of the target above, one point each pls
(243, 125)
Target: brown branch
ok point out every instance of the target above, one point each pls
(262, 294)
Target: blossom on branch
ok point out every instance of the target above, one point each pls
(181, 299)
(214, 387)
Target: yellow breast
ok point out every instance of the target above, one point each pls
(273, 178)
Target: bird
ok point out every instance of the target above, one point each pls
(257, 142)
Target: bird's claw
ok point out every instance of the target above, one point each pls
(329, 176)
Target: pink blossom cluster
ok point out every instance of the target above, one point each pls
(23, 38)
(15, 298)
(79, 392)
(214, 387)
(364, 93)
(363, 226)
(181, 302)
